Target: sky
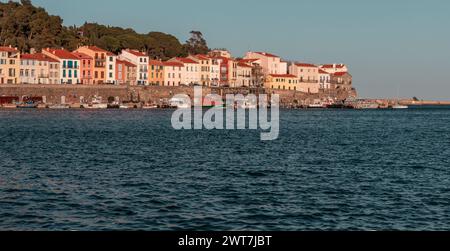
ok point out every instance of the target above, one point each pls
(394, 49)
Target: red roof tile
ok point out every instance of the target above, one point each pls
(38, 57)
(81, 55)
(323, 72)
(340, 74)
(155, 62)
(338, 66)
(172, 63)
(282, 76)
(8, 49)
(242, 64)
(62, 54)
(201, 57)
(306, 65)
(136, 53)
(97, 49)
(267, 54)
(185, 60)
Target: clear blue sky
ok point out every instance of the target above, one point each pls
(391, 47)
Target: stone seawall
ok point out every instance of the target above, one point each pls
(54, 94)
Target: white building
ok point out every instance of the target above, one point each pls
(111, 60)
(324, 79)
(173, 73)
(140, 59)
(191, 73)
(334, 68)
(271, 64)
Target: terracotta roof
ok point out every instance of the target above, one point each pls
(110, 54)
(242, 64)
(306, 65)
(81, 55)
(201, 57)
(8, 49)
(323, 72)
(186, 60)
(95, 48)
(338, 66)
(62, 54)
(172, 63)
(340, 74)
(38, 57)
(282, 76)
(124, 62)
(267, 54)
(155, 62)
(136, 53)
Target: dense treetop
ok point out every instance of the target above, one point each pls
(25, 26)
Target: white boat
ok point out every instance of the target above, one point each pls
(179, 103)
(316, 106)
(149, 107)
(95, 104)
(400, 107)
(124, 107)
(59, 106)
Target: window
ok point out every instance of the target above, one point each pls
(64, 73)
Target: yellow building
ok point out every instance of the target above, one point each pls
(282, 82)
(289, 83)
(9, 65)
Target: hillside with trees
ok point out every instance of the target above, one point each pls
(26, 26)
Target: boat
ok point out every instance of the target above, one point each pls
(398, 106)
(366, 104)
(149, 107)
(123, 106)
(95, 104)
(9, 106)
(59, 106)
(113, 105)
(27, 105)
(179, 103)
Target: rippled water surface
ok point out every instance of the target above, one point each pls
(109, 170)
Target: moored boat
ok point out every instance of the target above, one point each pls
(27, 105)
(59, 106)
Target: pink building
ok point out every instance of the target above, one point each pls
(270, 63)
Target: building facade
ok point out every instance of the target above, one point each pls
(86, 68)
(125, 73)
(173, 73)
(99, 62)
(270, 63)
(111, 60)
(9, 65)
(155, 72)
(140, 59)
(307, 73)
(38, 69)
(191, 73)
(69, 65)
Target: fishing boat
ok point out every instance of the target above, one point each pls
(27, 105)
(179, 103)
(122, 106)
(113, 105)
(398, 106)
(95, 104)
(149, 107)
(59, 106)
(9, 106)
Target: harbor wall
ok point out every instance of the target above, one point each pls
(54, 94)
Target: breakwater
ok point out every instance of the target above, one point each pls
(73, 94)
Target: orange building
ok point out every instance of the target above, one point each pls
(99, 59)
(125, 72)
(155, 72)
(86, 68)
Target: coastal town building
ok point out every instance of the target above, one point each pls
(9, 65)
(270, 63)
(205, 68)
(220, 53)
(140, 59)
(243, 75)
(111, 60)
(341, 81)
(69, 65)
(156, 72)
(99, 60)
(38, 69)
(125, 72)
(173, 73)
(214, 75)
(324, 79)
(307, 73)
(191, 73)
(334, 68)
(86, 68)
(282, 82)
